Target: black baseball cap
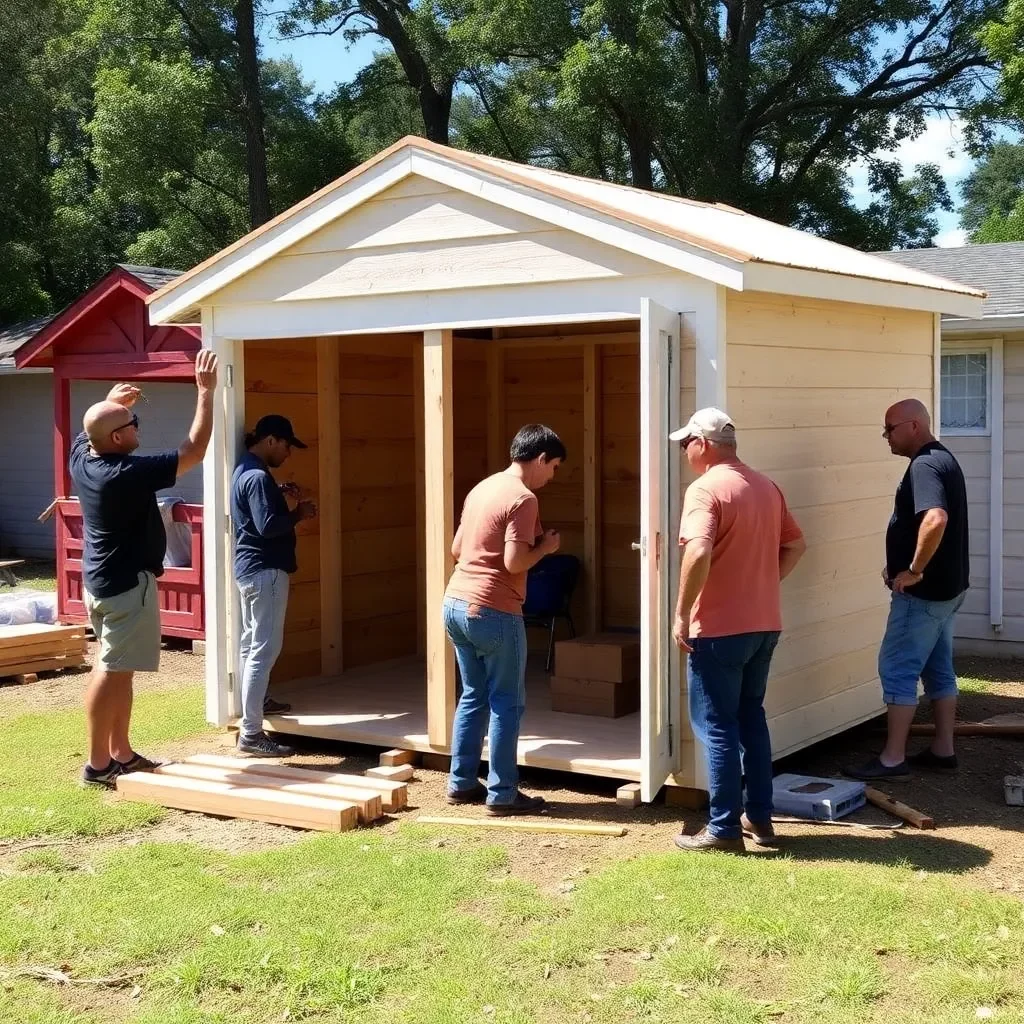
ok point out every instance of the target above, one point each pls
(277, 426)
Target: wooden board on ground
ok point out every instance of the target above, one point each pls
(628, 795)
(368, 803)
(393, 758)
(251, 803)
(524, 825)
(35, 647)
(34, 665)
(394, 795)
(395, 773)
(908, 814)
(30, 632)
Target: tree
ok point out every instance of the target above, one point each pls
(992, 191)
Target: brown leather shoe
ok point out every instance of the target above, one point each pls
(762, 832)
(704, 840)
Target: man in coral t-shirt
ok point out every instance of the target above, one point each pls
(739, 542)
(498, 541)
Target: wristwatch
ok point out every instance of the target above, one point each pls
(913, 571)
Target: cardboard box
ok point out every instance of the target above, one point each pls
(611, 657)
(594, 697)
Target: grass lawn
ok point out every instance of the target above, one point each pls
(391, 927)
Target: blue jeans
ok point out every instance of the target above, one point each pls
(727, 677)
(918, 644)
(264, 602)
(490, 648)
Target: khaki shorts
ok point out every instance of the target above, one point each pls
(127, 627)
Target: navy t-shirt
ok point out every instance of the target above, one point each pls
(124, 534)
(932, 480)
(264, 526)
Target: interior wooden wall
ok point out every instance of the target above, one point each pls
(470, 399)
(378, 498)
(280, 377)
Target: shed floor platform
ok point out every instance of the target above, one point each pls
(386, 706)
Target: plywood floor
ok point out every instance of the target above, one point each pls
(386, 706)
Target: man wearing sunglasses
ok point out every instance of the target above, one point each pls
(123, 555)
(739, 542)
(928, 571)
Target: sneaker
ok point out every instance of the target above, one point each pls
(476, 795)
(704, 840)
(138, 763)
(762, 832)
(106, 777)
(263, 746)
(522, 804)
(875, 771)
(275, 707)
(933, 762)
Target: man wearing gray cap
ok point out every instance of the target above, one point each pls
(739, 541)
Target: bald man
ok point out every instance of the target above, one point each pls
(928, 571)
(124, 554)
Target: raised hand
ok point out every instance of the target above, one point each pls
(206, 370)
(124, 394)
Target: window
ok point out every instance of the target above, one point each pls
(965, 392)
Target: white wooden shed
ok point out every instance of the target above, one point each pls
(411, 315)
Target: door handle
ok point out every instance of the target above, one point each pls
(637, 545)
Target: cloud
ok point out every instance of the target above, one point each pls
(950, 238)
(941, 143)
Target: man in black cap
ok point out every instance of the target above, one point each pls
(264, 558)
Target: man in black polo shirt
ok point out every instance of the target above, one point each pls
(927, 568)
(264, 559)
(124, 554)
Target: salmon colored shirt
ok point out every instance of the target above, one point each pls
(744, 515)
(499, 509)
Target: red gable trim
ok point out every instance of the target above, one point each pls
(35, 352)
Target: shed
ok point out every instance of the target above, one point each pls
(104, 336)
(412, 315)
(981, 420)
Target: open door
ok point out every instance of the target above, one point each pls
(659, 472)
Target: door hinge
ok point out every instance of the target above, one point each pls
(231, 682)
(229, 375)
(227, 525)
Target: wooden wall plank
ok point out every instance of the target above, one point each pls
(592, 426)
(328, 372)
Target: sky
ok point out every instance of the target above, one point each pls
(327, 60)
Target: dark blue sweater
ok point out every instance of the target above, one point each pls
(264, 527)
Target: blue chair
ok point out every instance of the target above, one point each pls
(549, 589)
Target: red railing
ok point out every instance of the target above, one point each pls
(181, 590)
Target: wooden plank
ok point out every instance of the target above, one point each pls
(383, 550)
(497, 441)
(367, 801)
(419, 449)
(592, 426)
(908, 814)
(393, 793)
(522, 825)
(303, 610)
(393, 773)
(382, 639)
(281, 367)
(971, 729)
(435, 762)
(14, 636)
(328, 381)
(251, 803)
(393, 758)
(628, 795)
(42, 665)
(438, 529)
(45, 652)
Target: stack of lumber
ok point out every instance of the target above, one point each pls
(597, 674)
(38, 647)
(236, 787)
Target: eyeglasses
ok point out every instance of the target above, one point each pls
(686, 442)
(890, 427)
(133, 422)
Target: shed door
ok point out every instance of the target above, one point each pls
(659, 471)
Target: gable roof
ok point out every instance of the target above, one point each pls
(13, 337)
(141, 280)
(708, 240)
(996, 267)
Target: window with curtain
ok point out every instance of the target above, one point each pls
(965, 392)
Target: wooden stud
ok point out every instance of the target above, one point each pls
(253, 804)
(26, 677)
(394, 773)
(497, 445)
(367, 802)
(393, 758)
(683, 796)
(592, 483)
(393, 794)
(628, 795)
(527, 826)
(908, 814)
(972, 729)
(421, 537)
(439, 529)
(435, 762)
(328, 381)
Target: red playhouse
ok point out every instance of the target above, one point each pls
(106, 335)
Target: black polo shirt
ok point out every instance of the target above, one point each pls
(124, 534)
(932, 480)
